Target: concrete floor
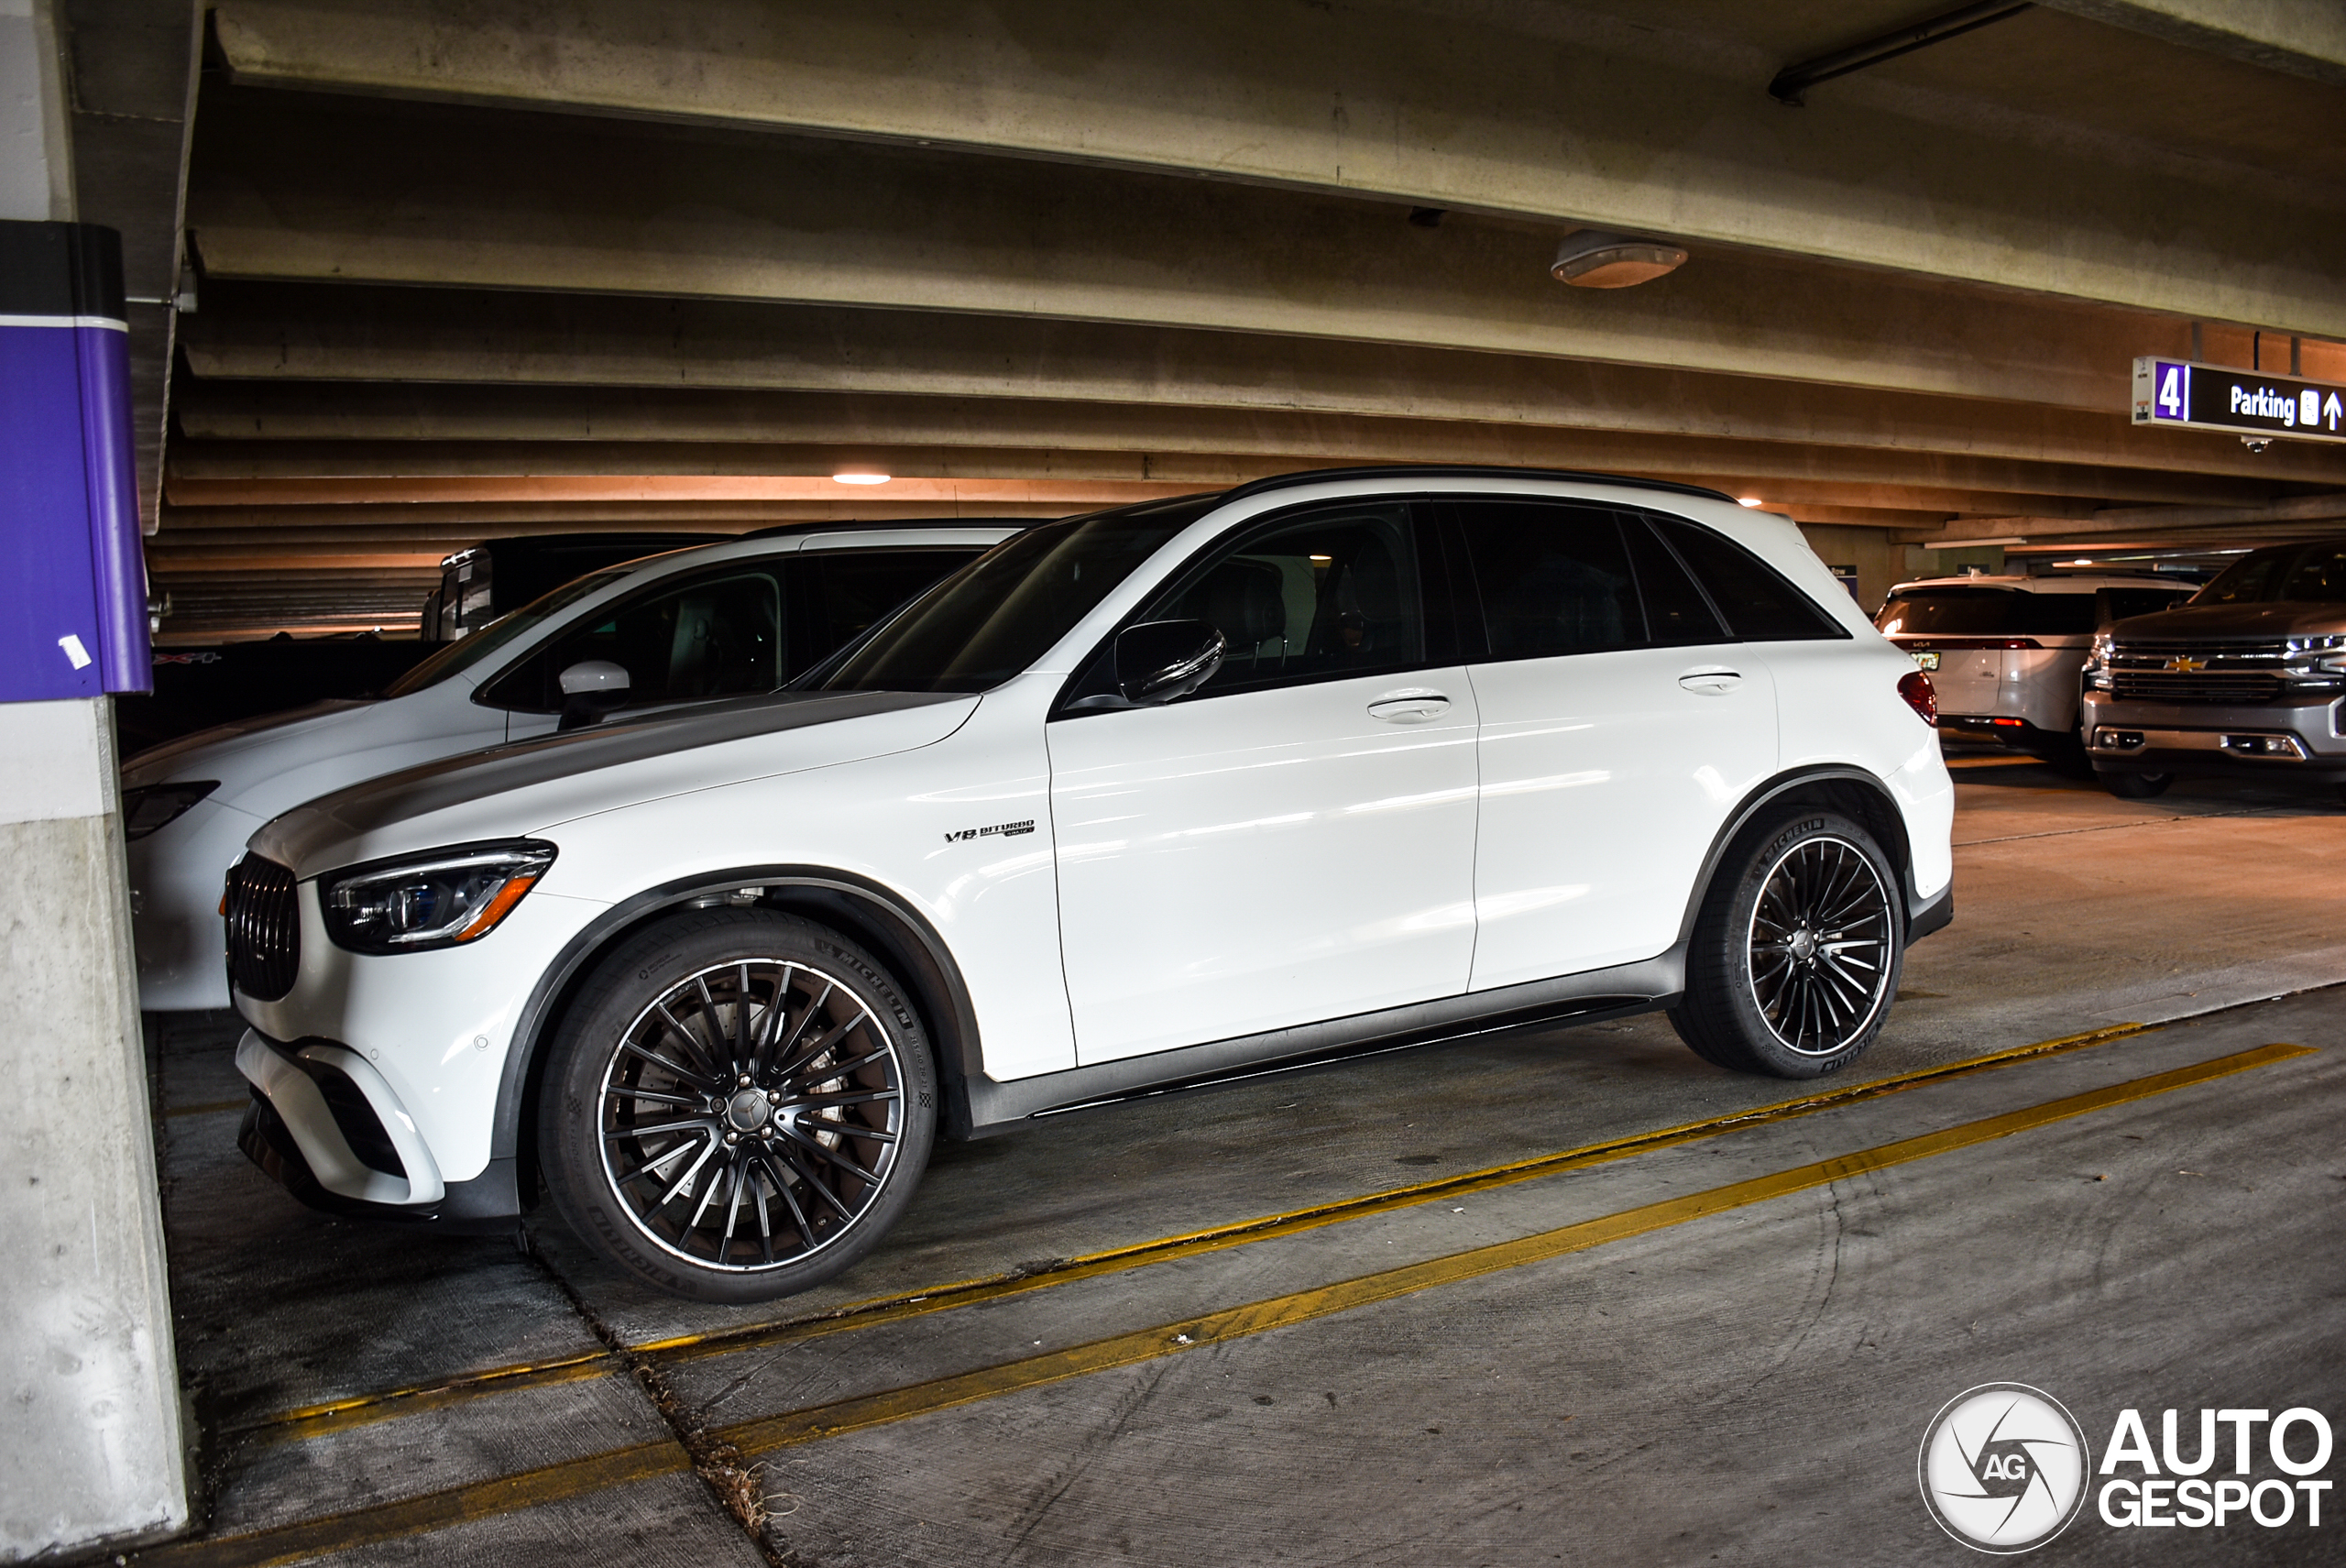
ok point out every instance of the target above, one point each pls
(1749, 1383)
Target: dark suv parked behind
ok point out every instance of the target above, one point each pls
(2249, 674)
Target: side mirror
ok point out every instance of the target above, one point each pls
(591, 689)
(1161, 660)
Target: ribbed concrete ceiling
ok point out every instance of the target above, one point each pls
(480, 266)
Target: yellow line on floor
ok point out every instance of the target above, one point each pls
(1280, 1311)
(554, 1483)
(363, 1410)
(1242, 1233)
(340, 1415)
(417, 1516)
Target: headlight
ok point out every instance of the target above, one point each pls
(155, 806)
(435, 900)
(2097, 662)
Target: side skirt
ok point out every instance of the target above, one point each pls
(999, 1107)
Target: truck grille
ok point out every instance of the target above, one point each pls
(2241, 673)
(264, 928)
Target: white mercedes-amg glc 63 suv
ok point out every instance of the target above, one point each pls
(1147, 798)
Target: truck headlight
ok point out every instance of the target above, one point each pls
(433, 900)
(2097, 662)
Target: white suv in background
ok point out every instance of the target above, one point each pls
(1152, 797)
(744, 615)
(2007, 655)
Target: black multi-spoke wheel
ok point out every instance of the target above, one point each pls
(738, 1106)
(1819, 946)
(1796, 952)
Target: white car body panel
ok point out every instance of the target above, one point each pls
(268, 766)
(1604, 781)
(1193, 872)
(1261, 859)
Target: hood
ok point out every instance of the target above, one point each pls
(527, 788)
(174, 758)
(2242, 622)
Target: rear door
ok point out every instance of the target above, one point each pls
(1619, 726)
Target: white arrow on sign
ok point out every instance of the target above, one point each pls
(2331, 411)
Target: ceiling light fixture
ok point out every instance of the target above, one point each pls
(1593, 259)
(865, 477)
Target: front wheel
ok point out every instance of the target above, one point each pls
(738, 1107)
(2136, 786)
(1797, 949)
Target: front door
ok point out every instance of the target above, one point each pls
(1295, 841)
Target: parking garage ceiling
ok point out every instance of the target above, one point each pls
(467, 268)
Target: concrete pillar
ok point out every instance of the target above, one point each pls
(92, 1445)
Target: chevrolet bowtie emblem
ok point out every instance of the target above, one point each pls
(2184, 664)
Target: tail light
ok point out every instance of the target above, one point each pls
(1916, 688)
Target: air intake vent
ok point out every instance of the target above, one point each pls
(264, 930)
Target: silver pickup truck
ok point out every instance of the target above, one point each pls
(2248, 676)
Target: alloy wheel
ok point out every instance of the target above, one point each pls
(751, 1114)
(1819, 946)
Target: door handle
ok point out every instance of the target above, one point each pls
(1410, 708)
(1711, 682)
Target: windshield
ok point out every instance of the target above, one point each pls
(467, 651)
(1002, 613)
(2248, 580)
(1986, 612)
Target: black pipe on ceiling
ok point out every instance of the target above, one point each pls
(1793, 80)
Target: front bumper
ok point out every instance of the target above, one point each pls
(326, 1127)
(2299, 740)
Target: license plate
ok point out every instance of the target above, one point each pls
(1928, 661)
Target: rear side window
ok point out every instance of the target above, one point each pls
(1553, 579)
(1758, 605)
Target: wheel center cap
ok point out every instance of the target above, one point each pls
(1804, 944)
(746, 1111)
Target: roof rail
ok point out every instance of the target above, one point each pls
(1465, 471)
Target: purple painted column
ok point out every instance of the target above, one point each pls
(72, 577)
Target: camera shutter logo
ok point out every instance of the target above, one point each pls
(2003, 1467)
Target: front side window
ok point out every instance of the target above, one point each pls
(994, 618)
(1319, 597)
(718, 635)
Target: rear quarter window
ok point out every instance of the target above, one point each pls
(1758, 605)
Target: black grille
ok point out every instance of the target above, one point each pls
(2247, 687)
(264, 930)
(2244, 673)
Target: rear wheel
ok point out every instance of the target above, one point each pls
(1797, 949)
(738, 1107)
(2136, 786)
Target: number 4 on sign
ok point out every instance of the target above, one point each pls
(2171, 392)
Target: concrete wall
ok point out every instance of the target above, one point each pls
(92, 1444)
(91, 1438)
